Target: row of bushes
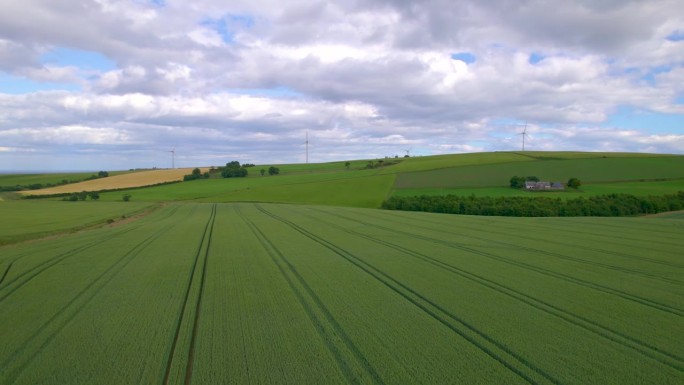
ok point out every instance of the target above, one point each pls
(38, 186)
(612, 205)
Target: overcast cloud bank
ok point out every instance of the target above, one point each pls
(117, 84)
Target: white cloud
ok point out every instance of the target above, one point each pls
(364, 78)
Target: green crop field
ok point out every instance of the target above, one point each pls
(23, 219)
(28, 179)
(358, 188)
(595, 170)
(635, 188)
(255, 293)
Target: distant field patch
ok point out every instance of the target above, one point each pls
(47, 178)
(361, 188)
(594, 170)
(134, 179)
(634, 188)
(29, 219)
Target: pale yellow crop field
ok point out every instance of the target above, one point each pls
(134, 179)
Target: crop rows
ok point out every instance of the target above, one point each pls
(260, 293)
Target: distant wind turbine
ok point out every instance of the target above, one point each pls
(307, 146)
(408, 151)
(523, 134)
(173, 157)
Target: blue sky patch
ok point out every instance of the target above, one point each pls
(676, 36)
(650, 76)
(11, 84)
(465, 57)
(227, 25)
(277, 92)
(536, 58)
(652, 122)
(87, 60)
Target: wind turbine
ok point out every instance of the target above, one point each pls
(523, 134)
(173, 157)
(307, 146)
(408, 150)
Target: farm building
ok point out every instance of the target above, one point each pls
(531, 185)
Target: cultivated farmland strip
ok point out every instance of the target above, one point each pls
(328, 329)
(499, 352)
(582, 282)
(575, 247)
(623, 339)
(182, 319)
(23, 356)
(52, 261)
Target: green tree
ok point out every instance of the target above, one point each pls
(517, 182)
(574, 183)
(83, 195)
(233, 170)
(273, 170)
(262, 171)
(103, 174)
(126, 197)
(94, 195)
(347, 164)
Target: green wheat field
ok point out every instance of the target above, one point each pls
(305, 281)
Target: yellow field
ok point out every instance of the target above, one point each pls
(134, 179)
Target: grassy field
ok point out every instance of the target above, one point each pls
(249, 293)
(635, 188)
(597, 170)
(360, 188)
(464, 174)
(355, 186)
(28, 179)
(24, 220)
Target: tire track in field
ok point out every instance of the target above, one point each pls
(639, 346)
(494, 349)
(570, 245)
(87, 296)
(319, 324)
(43, 266)
(208, 229)
(568, 278)
(52, 261)
(575, 259)
(198, 307)
(6, 271)
(612, 235)
(582, 247)
(576, 246)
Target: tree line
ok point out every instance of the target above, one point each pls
(38, 186)
(610, 205)
(231, 170)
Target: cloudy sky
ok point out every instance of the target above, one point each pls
(107, 84)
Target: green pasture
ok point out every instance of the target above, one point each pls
(633, 188)
(48, 178)
(362, 188)
(592, 170)
(256, 293)
(29, 219)
(481, 174)
(464, 174)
